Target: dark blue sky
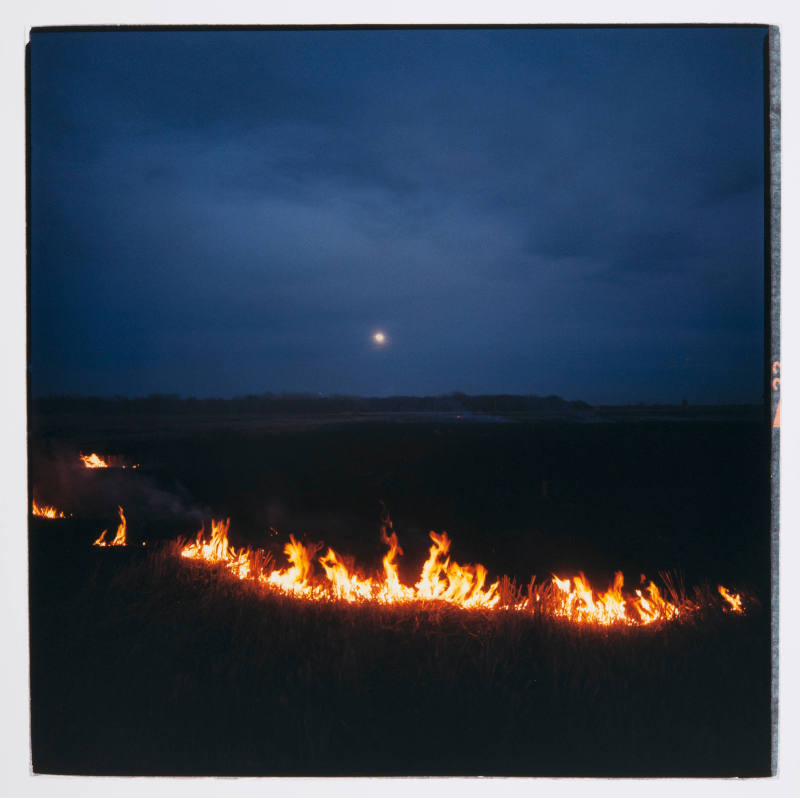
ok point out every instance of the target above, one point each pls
(573, 211)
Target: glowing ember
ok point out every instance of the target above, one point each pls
(441, 579)
(119, 538)
(93, 461)
(46, 511)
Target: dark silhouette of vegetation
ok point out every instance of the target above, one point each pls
(458, 406)
(312, 403)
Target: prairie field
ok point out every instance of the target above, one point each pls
(145, 663)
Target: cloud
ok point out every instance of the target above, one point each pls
(260, 200)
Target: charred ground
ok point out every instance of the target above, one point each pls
(142, 663)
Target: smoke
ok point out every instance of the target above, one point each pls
(62, 480)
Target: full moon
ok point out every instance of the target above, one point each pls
(379, 338)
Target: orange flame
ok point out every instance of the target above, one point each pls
(444, 579)
(733, 599)
(295, 580)
(119, 538)
(392, 590)
(217, 549)
(580, 604)
(96, 461)
(46, 511)
(93, 461)
(344, 584)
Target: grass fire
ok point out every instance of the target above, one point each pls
(46, 511)
(166, 609)
(442, 579)
(119, 538)
(516, 283)
(94, 460)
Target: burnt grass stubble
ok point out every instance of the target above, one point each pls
(146, 664)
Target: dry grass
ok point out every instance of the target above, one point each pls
(171, 666)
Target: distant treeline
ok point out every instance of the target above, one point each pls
(313, 403)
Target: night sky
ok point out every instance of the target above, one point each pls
(576, 212)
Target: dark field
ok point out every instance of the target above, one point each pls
(145, 664)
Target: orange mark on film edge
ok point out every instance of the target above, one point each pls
(776, 382)
(441, 580)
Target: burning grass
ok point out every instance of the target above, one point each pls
(144, 662)
(95, 460)
(443, 580)
(46, 511)
(120, 539)
(160, 655)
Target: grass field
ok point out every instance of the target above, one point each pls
(144, 663)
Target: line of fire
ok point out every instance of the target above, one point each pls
(329, 578)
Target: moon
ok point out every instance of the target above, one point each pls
(379, 338)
